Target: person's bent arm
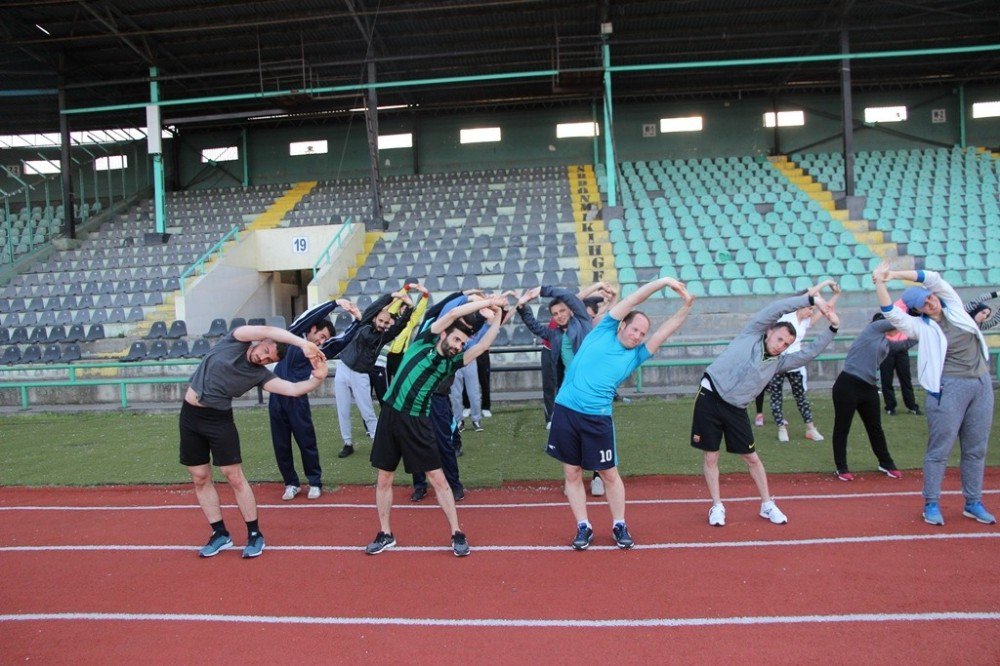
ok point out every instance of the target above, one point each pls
(670, 326)
(296, 389)
(478, 349)
(627, 304)
(900, 320)
(444, 321)
(258, 333)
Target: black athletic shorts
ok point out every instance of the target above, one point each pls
(582, 440)
(207, 431)
(713, 418)
(411, 438)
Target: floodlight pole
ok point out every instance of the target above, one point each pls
(609, 149)
(65, 166)
(847, 117)
(153, 131)
(371, 124)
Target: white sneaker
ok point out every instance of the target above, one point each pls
(548, 426)
(487, 414)
(466, 413)
(597, 486)
(782, 433)
(759, 421)
(813, 434)
(314, 492)
(717, 515)
(771, 511)
(290, 493)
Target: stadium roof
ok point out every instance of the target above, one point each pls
(102, 50)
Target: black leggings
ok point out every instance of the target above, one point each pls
(850, 395)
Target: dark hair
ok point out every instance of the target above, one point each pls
(977, 308)
(281, 348)
(325, 325)
(632, 315)
(785, 325)
(593, 302)
(556, 301)
(877, 316)
(460, 325)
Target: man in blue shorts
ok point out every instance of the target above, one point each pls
(582, 434)
(735, 378)
(207, 430)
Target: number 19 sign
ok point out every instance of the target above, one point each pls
(300, 244)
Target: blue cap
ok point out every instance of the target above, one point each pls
(914, 297)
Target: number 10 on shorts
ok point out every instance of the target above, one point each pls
(605, 455)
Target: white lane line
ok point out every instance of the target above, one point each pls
(822, 541)
(667, 622)
(463, 506)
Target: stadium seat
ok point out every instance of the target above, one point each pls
(95, 332)
(178, 329)
(19, 335)
(256, 321)
(71, 352)
(200, 347)
(31, 354)
(178, 349)
(52, 354)
(217, 328)
(157, 331)
(38, 335)
(11, 355)
(137, 352)
(235, 323)
(158, 350)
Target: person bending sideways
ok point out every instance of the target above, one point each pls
(953, 366)
(405, 430)
(739, 373)
(583, 434)
(207, 430)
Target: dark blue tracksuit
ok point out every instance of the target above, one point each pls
(446, 434)
(292, 416)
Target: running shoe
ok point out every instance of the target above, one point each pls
(932, 514)
(771, 511)
(419, 494)
(459, 544)
(977, 511)
(597, 486)
(845, 476)
(254, 547)
(813, 434)
(487, 414)
(584, 535)
(717, 515)
(759, 421)
(890, 472)
(782, 433)
(621, 536)
(219, 542)
(314, 492)
(290, 493)
(382, 542)
(477, 426)
(346, 451)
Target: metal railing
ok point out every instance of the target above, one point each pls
(324, 257)
(199, 263)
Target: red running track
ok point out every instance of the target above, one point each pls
(856, 576)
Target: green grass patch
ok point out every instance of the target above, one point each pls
(99, 448)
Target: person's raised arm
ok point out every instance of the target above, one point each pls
(447, 319)
(522, 309)
(296, 389)
(496, 320)
(670, 326)
(831, 302)
(627, 304)
(590, 290)
(257, 333)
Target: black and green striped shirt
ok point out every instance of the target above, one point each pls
(420, 372)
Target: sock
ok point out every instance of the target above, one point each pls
(220, 528)
(252, 528)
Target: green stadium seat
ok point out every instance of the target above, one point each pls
(762, 287)
(849, 282)
(783, 285)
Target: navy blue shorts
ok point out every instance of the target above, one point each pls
(583, 440)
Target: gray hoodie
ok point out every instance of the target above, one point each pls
(742, 370)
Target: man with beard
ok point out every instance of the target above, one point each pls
(405, 430)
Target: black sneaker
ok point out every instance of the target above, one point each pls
(346, 451)
(461, 425)
(915, 411)
(382, 541)
(584, 535)
(622, 538)
(458, 451)
(890, 412)
(418, 494)
(477, 426)
(459, 544)
(459, 494)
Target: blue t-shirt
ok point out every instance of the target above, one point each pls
(600, 365)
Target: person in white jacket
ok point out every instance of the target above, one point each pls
(953, 367)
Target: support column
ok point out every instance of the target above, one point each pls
(246, 159)
(609, 147)
(371, 124)
(154, 130)
(847, 117)
(65, 166)
(961, 115)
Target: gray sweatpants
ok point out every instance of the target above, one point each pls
(350, 386)
(964, 411)
(467, 377)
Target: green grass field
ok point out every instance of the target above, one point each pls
(135, 448)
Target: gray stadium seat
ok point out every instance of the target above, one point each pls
(236, 323)
(31, 354)
(19, 336)
(137, 352)
(52, 354)
(157, 331)
(256, 321)
(200, 348)
(58, 334)
(71, 352)
(217, 328)
(178, 329)
(11, 355)
(95, 332)
(178, 349)
(38, 335)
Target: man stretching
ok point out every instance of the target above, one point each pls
(231, 368)
(740, 372)
(582, 434)
(404, 427)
